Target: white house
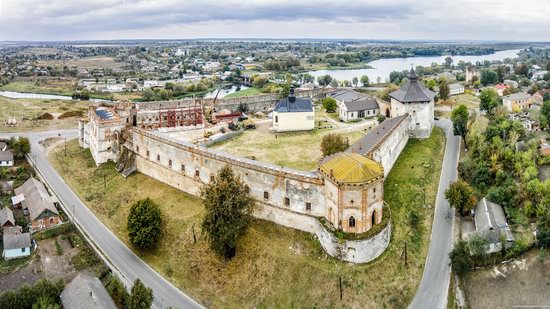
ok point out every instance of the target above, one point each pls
(6, 158)
(455, 89)
(293, 114)
(16, 245)
(352, 105)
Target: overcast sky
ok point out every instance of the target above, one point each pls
(183, 19)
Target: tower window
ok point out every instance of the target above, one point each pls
(183, 168)
(351, 221)
(308, 206)
(158, 157)
(170, 162)
(197, 173)
(266, 195)
(287, 201)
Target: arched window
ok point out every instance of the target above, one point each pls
(373, 218)
(351, 221)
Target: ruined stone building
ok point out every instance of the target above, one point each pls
(345, 193)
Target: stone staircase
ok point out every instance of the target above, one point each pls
(130, 166)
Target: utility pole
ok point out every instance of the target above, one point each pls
(65, 146)
(406, 264)
(104, 182)
(340, 285)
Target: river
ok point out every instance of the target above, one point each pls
(223, 91)
(383, 67)
(29, 95)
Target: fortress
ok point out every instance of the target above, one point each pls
(345, 193)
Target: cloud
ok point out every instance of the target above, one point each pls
(377, 19)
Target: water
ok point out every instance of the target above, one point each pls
(223, 92)
(28, 95)
(383, 67)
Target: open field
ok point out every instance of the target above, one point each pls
(522, 282)
(26, 111)
(300, 150)
(89, 63)
(243, 93)
(468, 99)
(274, 267)
(43, 86)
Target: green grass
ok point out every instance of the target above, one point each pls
(56, 87)
(299, 150)
(26, 111)
(275, 267)
(243, 93)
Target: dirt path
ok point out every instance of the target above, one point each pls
(523, 282)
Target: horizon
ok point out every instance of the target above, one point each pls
(393, 20)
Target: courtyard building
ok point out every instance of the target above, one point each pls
(414, 99)
(517, 101)
(293, 114)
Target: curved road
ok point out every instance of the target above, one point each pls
(432, 292)
(119, 255)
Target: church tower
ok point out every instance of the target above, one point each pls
(418, 102)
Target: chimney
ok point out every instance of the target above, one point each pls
(291, 95)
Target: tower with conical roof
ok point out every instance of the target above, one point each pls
(416, 101)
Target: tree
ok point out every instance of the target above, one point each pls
(461, 196)
(145, 224)
(148, 95)
(333, 143)
(459, 117)
(141, 296)
(21, 147)
(488, 77)
(489, 100)
(228, 207)
(118, 292)
(365, 80)
(355, 81)
(460, 257)
(324, 80)
(448, 61)
(444, 90)
(545, 112)
(543, 232)
(396, 77)
(329, 104)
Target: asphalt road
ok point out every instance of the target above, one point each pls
(432, 292)
(118, 254)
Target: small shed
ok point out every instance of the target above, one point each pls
(6, 218)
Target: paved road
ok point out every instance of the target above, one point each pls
(119, 255)
(432, 292)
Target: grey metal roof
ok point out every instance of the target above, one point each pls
(517, 96)
(16, 241)
(345, 95)
(491, 222)
(299, 105)
(3, 145)
(6, 215)
(455, 86)
(86, 292)
(366, 144)
(361, 104)
(37, 200)
(6, 156)
(413, 91)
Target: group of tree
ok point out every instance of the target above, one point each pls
(141, 297)
(174, 90)
(20, 146)
(489, 100)
(42, 294)
(459, 118)
(444, 90)
(461, 196)
(333, 143)
(282, 64)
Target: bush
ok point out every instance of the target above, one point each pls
(58, 248)
(333, 143)
(52, 232)
(118, 292)
(40, 293)
(45, 116)
(141, 297)
(329, 104)
(145, 224)
(71, 114)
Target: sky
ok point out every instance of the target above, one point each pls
(508, 20)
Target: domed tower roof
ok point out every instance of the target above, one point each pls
(351, 169)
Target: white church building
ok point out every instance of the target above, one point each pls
(293, 114)
(414, 99)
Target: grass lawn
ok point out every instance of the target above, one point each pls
(26, 112)
(51, 86)
(468, 99)
(300, 150)
(275, 267)
(243, 93)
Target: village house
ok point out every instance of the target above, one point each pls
(37, 204)
(6, 158)
(352, 105)
(3, 146)
(510, 82)
(293, 114)
(86, 292)
(538, 97)
(517, 101)
(500, 88)
(16, 245)
(490, 223)
(456, 88)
